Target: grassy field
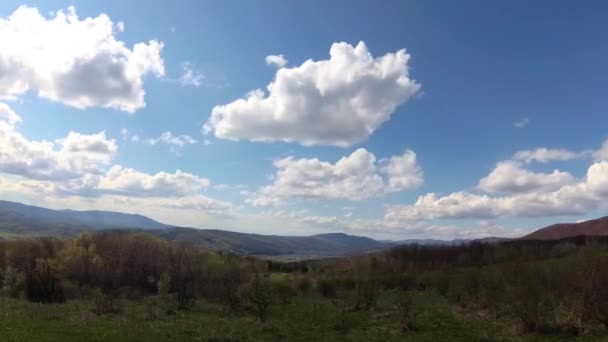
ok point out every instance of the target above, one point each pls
(306, 319)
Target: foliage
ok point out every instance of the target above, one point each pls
(116, 281)
(12, 283)
(258, 294)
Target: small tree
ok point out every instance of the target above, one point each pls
(285, 291)
(304, 285)
(104, 304)
(42, 283)
(164, 295)
(13, 282)
(406, 313)
(259, 296)
(327, 288)
(228, 285)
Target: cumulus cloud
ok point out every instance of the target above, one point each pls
(545, 155)
(77, 169)
(76, 62)
(511, 177)
(277, 60)
(8, 116)
(338, 101)
(126, 181)
(354, 177)
(602, 153)
(573, 199)
(71, 157)
(597, 178)
(403, 172)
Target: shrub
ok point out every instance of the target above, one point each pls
(228, 286)
(42, 283)
(258, 294)
(304, 285)
(13, 283)
(327, 288)
(285, 291)
(164, 296)
(104, 304)
(406, 313)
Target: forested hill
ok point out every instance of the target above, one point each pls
(323, 245)
(597, 227)
(13, 214)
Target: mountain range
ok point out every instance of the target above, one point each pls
(17, 219)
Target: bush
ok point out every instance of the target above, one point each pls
(13, 283)
(164, 296)
(104, 304)
(304, 285)
(130, 293)
(406, 313)
(327, 288)
(70, 289)
(42, 283)
(228, 286)
(530, 299)
(285, 291)
(258, 294)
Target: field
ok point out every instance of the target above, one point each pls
(137, 287)
(308, 318)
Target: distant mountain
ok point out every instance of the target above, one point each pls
(597, 227)
(456, 242)
(323, 245)
(346, 241)
(17, 219)
(30, 218)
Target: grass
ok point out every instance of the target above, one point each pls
(306, 319)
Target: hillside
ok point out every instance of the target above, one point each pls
(31, 219)
(597, 227)
(323, 245)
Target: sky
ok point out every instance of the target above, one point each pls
(395, 120)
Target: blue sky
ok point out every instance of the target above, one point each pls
(480, 82)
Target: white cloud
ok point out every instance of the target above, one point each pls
(199, 203)
(176, 142)
(130, 182)
(277, 60)
(73, 171)
(8, 116)
(521, 123)
(190, 76)
(76, 62)
(545, 155)
(602, 153)
(71, 157)
(354, 177)
(338, 101)
(303, 216)
(403, 172)
(597, 178)
(511, 177)
(569, 200)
